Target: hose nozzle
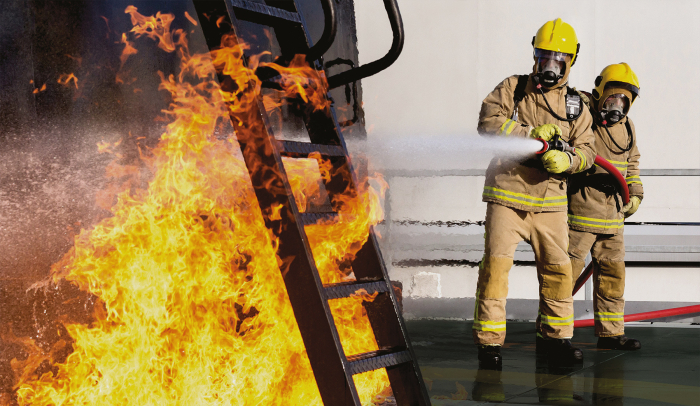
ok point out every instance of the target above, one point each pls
(545, 146)
(555, 144)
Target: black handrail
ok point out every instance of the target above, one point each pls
(369, 69)
(330, 28)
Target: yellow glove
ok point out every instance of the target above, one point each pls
(631, 207)
(546, 131)
(556, 161)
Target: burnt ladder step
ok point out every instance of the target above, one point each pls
(347, 289)
(370, 361)
(297, 149)
(267, 11)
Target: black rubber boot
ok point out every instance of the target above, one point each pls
(490, 357)
(560, 351)
(619, 343)
(540, 345)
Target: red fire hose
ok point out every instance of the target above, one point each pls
(583, 278)
(677, 311)
(557, 144)
(624, 190)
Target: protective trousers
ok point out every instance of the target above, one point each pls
(547, 233)
(608, 251)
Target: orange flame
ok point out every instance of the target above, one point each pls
(64, 78)
(157, 27)
(189, 17)
(193, 305)
(126, 53)
(43, 88)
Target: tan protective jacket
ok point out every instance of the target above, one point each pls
(524, 184)
(594, 201)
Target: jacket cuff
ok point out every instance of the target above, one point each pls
(636, 189)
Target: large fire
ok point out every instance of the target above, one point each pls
(192, 307)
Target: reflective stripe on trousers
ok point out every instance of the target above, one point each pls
(556, 321)
(598, 223)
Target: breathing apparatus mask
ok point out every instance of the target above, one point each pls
(614, 108)
(551, 67)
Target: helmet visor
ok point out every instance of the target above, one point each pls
(617, 101)
(556, 56)
(622, 85)
(555, 62)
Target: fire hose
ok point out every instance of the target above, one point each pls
(557, 144)
(676, 311)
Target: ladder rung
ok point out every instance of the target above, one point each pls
(370, 361)
(312, 218)
(266, 10)
(342, 290)
(303, 149)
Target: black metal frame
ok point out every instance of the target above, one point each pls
(272, 15)
(309, 297)
(330, 28)
(382, 63)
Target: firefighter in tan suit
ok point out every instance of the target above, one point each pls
(527, 199)
(596, 214)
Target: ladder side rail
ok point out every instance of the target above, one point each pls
(303, 285)
(383, 314)
(386, 320)
(390, 329)
(387, 324)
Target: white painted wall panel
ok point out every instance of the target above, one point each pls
(457, 51)
(446, 198)
(658, 284)
(669, 198)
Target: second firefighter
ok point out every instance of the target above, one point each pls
(596, 212)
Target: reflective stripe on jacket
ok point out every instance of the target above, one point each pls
(523, 183)
(594, 201)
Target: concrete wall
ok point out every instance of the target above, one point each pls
(456, 52)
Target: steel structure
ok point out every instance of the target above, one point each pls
(309, 297)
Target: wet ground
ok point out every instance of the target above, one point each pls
(666, 371)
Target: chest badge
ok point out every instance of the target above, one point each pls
(573, 105)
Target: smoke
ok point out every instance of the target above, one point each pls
(438, 151)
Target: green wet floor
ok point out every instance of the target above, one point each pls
(666, 371)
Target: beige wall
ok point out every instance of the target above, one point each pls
(457, 51)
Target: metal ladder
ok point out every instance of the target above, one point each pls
(309, 297)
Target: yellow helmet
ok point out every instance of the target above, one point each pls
(618, 76)
(616, 89)
(557, 36)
